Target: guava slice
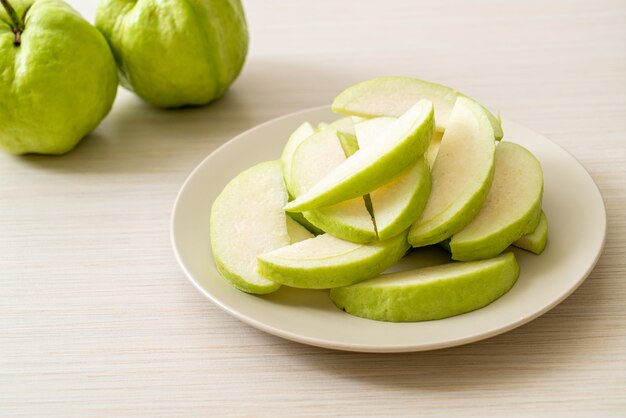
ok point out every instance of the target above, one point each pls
(317, 156)
(461, 175)
(368, 169)
(429, 293)
(512, 208)
(247, 219)
(393, 95)
(535, 241)
(397, 204)
(326, 261)
(295, 139)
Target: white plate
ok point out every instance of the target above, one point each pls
(572, 203)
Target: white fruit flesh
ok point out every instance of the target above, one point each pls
(325, 261)
(512, 208)
(461, 175)
(429, 293)
(392, 96)
(368, 169)
(313, 160)
(247, 219)
(535, 241)
(397, 204)
(369, 131)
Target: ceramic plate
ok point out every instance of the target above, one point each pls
(572, 202)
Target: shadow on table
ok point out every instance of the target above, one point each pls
(138, 138)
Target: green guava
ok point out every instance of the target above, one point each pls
(175, 53)
(57, 77)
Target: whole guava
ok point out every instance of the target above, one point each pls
(175, 53)
(57, 77)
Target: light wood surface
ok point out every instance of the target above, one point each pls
(97, 319)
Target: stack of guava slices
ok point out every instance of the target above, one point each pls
(413, 164)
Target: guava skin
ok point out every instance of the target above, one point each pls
(57, 84)
(175, 53)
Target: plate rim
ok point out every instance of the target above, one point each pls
(370, 348)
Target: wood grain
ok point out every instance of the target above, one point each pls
(97, 319)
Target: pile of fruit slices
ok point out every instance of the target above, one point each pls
(415, 164)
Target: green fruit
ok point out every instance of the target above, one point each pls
(461, 175)
(512, 208)
(368, 169)
(392, 96)
(175, 53)
(57, 77)
(535, 241)
(325, 261)
(247, 219)
(314, 158)
(429, 293)
(397, 204)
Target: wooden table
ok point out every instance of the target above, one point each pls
(97, 319)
